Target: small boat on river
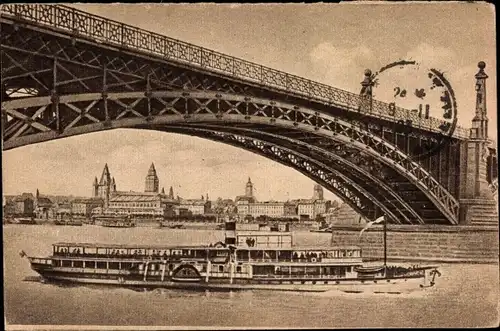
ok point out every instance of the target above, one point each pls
(118, 224)
(172, 225)
(68, 222)
(25, 220)
(113, 221)
(249, 258)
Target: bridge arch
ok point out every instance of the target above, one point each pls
(33, 119)
(388, 193)
(350, 192)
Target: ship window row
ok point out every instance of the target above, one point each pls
(107, 265)
(241, 255)
(301, 271)
(128, 252)
(295, 256)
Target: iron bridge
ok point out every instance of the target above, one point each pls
(66, 72)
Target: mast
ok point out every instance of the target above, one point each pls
(385, 243)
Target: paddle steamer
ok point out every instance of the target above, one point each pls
(251, 257)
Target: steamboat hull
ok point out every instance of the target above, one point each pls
(353, 285)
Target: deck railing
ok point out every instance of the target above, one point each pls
(103, 30)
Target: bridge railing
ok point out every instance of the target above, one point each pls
(109, 31)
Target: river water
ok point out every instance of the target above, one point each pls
(464, 296)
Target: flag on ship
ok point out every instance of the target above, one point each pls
(369, 224)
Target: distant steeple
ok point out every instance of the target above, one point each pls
(105, 186)
(37, 194)
(171, 193)
(202, 197)
(113, 185)
(152, 181)
(249, 188)
(95, 191)
(318, 192)
(162, 190)
(105, 177)
(206, 197)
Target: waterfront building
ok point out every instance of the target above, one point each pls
(267, 208)
(312, 208)
(242, 207)
(44, 207)
(84, 207)
(315, 207)
(290, 209)
(248, 193)
(309, 208)
(143, 204)
(224, 206)
(22, 205)
(196, 206)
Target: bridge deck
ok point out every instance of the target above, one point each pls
(106, 31)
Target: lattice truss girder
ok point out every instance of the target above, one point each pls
(29, 58)
(333, 180)
(42, 64)
(41, 118)
(84, 67)
(363, 170)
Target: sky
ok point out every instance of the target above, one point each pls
(328, 43)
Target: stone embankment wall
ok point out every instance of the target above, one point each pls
(473, 244)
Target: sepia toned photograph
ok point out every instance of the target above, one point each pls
(249, 166)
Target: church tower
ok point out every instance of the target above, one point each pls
(318, 192)
(249, 188)
(95, 192)
(104, 186)
(171, 193)
(152, 181)
(36, 198)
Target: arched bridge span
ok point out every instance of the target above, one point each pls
(34, 119)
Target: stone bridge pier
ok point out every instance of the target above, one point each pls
(478, 165)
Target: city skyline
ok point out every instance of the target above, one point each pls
(331, 51)
(167, 186)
